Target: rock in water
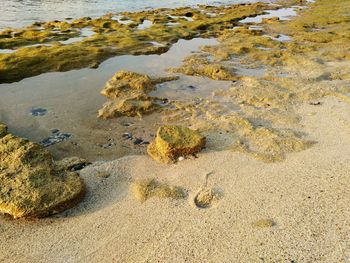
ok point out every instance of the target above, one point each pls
(32, 185)
(128, 94)
(172, 142)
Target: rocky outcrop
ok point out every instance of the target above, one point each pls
(128, 92)
(32, 185)
(173, 142)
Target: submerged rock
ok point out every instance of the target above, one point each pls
(128, 92)
(173, 142)
(32, 185)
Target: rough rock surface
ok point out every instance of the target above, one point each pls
(198, 65)
(128, 92)
(174, 141)
(32, 185)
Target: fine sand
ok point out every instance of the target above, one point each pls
(306, 196)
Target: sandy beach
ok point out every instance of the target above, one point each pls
(306, 196)
(262, 88)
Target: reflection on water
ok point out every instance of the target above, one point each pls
(18, 13)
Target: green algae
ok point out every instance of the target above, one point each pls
(112, 38)
(145, 189)
(265, 124)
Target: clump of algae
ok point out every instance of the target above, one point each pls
(128, 94)
(145, 189)
(264, 223)
(172, 142)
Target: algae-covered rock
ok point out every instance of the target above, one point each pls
(31, 184)
(128, 92)
(197, 65)
(174, 141)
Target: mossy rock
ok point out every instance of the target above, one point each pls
(31, 184)
(174, 141)
(130, 107)
(128, 92)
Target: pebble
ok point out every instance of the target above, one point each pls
(56, 137)
(127, 136)
(38, 112)
(139, 141)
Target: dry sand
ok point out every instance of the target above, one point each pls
(307, 196)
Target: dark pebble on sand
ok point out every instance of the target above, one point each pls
(55, 130)
(127, 136)
(139, 141)
(315, 103)
(38, 112)
(55, 138)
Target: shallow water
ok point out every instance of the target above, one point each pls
(71, 101)
(18, 13)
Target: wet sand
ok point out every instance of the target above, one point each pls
(306, 196)
(292, 210)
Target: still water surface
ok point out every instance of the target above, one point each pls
(18, 13)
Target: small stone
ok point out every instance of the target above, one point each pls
(138, 141)
(55, 138)
(38, 112)
(55, 130)
(127, 136)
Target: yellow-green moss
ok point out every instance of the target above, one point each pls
(112, 38)
(200, 66)
(32, 185)
(172, 142)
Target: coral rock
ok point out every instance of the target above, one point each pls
(31, 184)
(174, 141)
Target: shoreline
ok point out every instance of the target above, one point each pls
(272, 100)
